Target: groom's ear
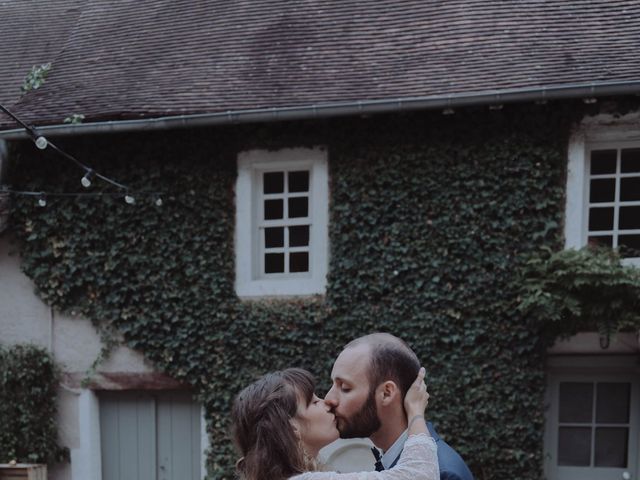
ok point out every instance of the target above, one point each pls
(389, 391)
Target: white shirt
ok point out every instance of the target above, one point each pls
(394, 450)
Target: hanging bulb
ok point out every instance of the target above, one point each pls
(42, 201)
(158, 202)
(41, 143)
(86, 180)
(129, 199)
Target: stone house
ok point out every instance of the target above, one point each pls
(295, 95)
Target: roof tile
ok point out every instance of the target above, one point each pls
(121, 59)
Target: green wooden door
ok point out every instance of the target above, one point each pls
(149, 436)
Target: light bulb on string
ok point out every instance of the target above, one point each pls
(129, 199)
(41, 143)
(42, 201)
(158, 201)
(86, 180)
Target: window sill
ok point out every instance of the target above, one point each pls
(279, 288)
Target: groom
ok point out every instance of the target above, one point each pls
(370, 378)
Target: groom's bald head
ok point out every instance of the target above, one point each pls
(390, 358)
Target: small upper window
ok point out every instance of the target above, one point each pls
(282, 214)
(603, 191)
(284, 222)
(614, 199)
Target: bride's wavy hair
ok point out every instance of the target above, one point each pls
(262, 430)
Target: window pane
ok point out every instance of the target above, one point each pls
(274, 237)
(603, 161)
(630, 189)
(603, 241)
(299, 236)
(612, 405)
(600, 219)
(611, 447)
(630, 160)
(629, 218)
(299, 181)
(298, 207)
(299, 262)
(602, 190)
(574, 446)
(273, 209)
(273, 182)
(629, 245)
(576, 402)
(274, 263)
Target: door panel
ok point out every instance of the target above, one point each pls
(178, 437)
(127, 432)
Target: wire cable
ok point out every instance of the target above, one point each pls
(36, 137)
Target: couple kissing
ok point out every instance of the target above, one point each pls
(378, 391)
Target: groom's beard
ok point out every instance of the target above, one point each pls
(363, 423)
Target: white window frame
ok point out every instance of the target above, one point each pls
(251, 165)
(590, 368)
(598, 132)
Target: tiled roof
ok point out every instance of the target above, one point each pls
(32, 32)
(124, 59)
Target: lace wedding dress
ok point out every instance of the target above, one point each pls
(419, 461)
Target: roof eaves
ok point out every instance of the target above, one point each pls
(326, 110)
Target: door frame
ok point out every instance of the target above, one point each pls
(86, 460)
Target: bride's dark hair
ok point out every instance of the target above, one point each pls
(261, 427)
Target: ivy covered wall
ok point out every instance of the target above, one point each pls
(432, 217)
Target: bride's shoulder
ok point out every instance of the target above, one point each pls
(314, 476)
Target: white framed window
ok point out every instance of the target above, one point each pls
(603, 189)
(282, 222)
(593, 423)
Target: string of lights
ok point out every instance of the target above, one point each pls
(42, 196)
(42, 143)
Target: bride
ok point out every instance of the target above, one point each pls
(279, 425)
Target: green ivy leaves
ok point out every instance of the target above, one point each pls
(28, 392)
(432, 219)
(36, 77)
(576, 290)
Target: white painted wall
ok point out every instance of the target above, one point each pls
(24, 318)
